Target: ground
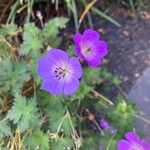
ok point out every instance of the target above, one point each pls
(129, 47)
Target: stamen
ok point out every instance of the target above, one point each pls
(60, 72)
(87, 52)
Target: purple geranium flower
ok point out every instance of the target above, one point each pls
(59, 72)
(89, 47)
(133, 142)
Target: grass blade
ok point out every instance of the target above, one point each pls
(102, 14)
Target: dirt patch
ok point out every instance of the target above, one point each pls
(129, 46)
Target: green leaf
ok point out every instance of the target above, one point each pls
(106, 75)
(116, 81)
(68, 124)
(108, 142)
(91, 142)
(38, 140)
(24, 113)
(4, 47)
(54, 109)
(51, 30)
(124, 111)
(56, 112)
(92, 76)
(62, 144)
(83, 90)
(13, 75)
(32, 40)
(4, 129)
(9, 29)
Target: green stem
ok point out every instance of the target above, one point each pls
(145, 120)
(109, 144)
(103, 15)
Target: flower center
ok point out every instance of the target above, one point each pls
(137, 147)
(87, 51)
(62, 71)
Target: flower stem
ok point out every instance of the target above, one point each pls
(103, 97)
(145, 120)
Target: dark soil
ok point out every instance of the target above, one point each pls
(129, 45)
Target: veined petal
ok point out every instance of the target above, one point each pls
(55, 87)
(123, 145)
(43, 68)
(100, 49)
(91, 35)
(79, 43)
(132, 137)
(145, 145)
(76, 67)
(77, 38)
(58, 55)
(89, 47)
(71, 86)
(94, 62)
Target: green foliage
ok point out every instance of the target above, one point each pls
(91, 142)
(24, 113)
(9, 30)
(4, 129)
(34, 39)
(83, 90)
(13, 75)
(37, 139)
(106, 75)
(51, 30)
(45, 121)
(56, 113)
(59, 119)
(92, 76)
(31, 40)
(109, 142)
(123, 112)
(62, 144)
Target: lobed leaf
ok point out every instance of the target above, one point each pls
(13, 75)
(32, 40)
(38, 139)
(24, 113)
(4, 129)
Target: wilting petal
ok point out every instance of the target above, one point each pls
(123, 145)
(76, 66)
(145, 145)
(91, 35)
(71, 86)
(132, 137)
(55, 87)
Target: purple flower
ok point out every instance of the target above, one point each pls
(89, 47)
(133, 142)
(106, 126)
(59, 72)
